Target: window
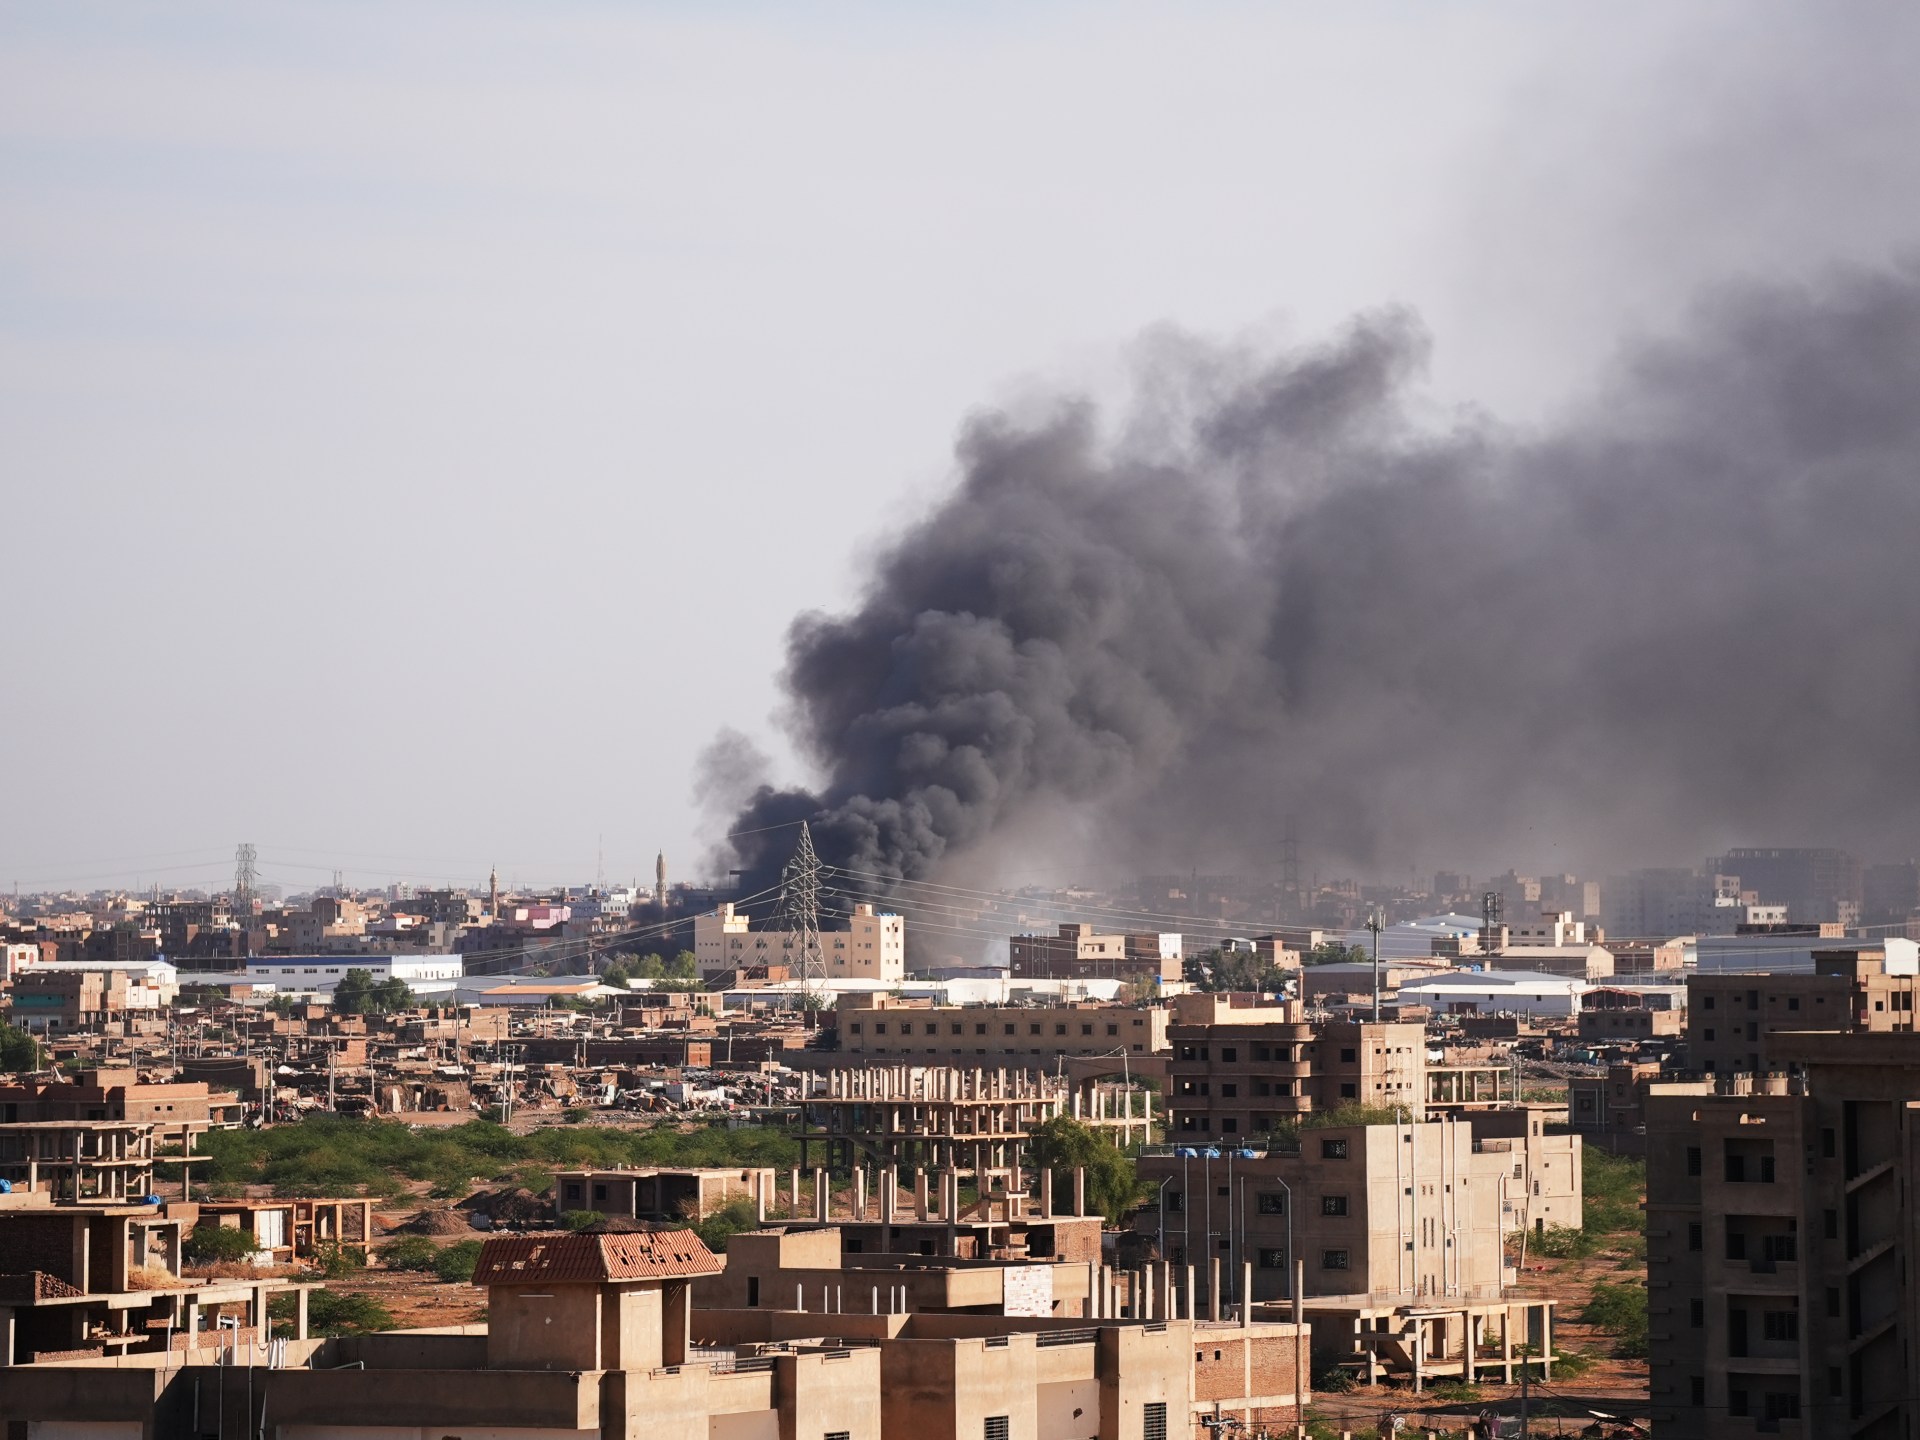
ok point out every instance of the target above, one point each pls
(1708, 1004)
(1780, 1325)
(997, 1428)
(1229, 1052)
(1176, 1201)
(879, 1027)
(1348, 1092)
(1830, 1224)
(1826, 1144)
(1333, 1205)
(838, 1435)
(1333, 1149)
(1334, 1260)
(1348, 1056)
(1833, 1302)
(1273, 1259)
(1694, 1236)
(753, 1291)
(1272, 1204)
(1782, 1405)
(1696, 1313)
(1697, 1384)
(1153, 1420)
(1086, 1029)
(1693, 1159)
(1229, 1089)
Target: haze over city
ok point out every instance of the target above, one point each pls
(426, 426)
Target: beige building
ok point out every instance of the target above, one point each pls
(1390, 1212)
(1780, 1245)
(1079, 952)
(593, 1337)
(655, 1193)
(1859, 988)
(1238, 1070)
(1025, 1036)
(872, 947)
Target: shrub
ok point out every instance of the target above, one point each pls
(726, 1222)
(334, 1260)
(1612, 1187)
(581, 1219)
(577, 1115)
(219, 1244)
(456, 1263)
(1571, 1364)
(1621, 1311)
(1456, 1392)
(409, 1252)
(1560, 1242)
(1334, 1381)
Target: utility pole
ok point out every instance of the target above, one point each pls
(1374, 925)
(799, 915)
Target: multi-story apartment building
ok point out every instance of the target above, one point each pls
(1416, 1209)
(1235, 1071)
(1866, 987)
(1814, 884)
(1016, 1036)
(1780, 1250)
(872, 947)
(1078, 952)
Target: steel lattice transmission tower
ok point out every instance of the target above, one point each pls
(799, 915)
(246, 880)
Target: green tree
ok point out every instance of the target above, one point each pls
(18, 1050)
(410, 1252)
(1621, 1311)
(456, 1263)
(1063, 1144)
(726, 1222)
(1332, 952)
(218, 1244)
(1238, 970)
(330, 1312)
(358, 993)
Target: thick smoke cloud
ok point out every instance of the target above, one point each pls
(1686, 615)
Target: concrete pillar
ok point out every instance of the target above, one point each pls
(300, 1314)
(860, 1192)
(1213, 1288)
(822, 1194)
(1079, 1190)
(920, 1194)
(1046, 1194)
(889, 1185)
(1166, 1292)
(1093, 1290)
(759, 1197)
(1188, 1309)
(6, 1336)
(1246, 1293)
(793, 1209)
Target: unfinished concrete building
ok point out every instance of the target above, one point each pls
(593, 1335)
(974, 1123)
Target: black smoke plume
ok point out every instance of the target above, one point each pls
(1688, 614)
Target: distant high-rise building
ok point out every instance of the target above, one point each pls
(660, 880)
(1815, 885)
(1659, 904)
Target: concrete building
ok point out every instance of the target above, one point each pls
(1080, 952)
(1236, 1071)
(1780, 1249)
(1660, 904)
(593, 1336)
(1815, 884)
(872, 947)
(1382, 1216)
(1030, 1037)
(663, 1194)
(1864, 988)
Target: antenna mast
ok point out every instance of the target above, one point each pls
(246, 881)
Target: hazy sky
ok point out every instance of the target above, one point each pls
(419, 423)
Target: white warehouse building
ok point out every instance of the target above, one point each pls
(318, 974)
(1496, 992)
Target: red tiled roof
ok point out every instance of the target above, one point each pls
(593, 1259)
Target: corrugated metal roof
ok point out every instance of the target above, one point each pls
(564, 1259)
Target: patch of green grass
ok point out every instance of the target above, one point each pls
(330, 1312)
(333, 1155)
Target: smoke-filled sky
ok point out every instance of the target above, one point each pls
(1481, 432)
